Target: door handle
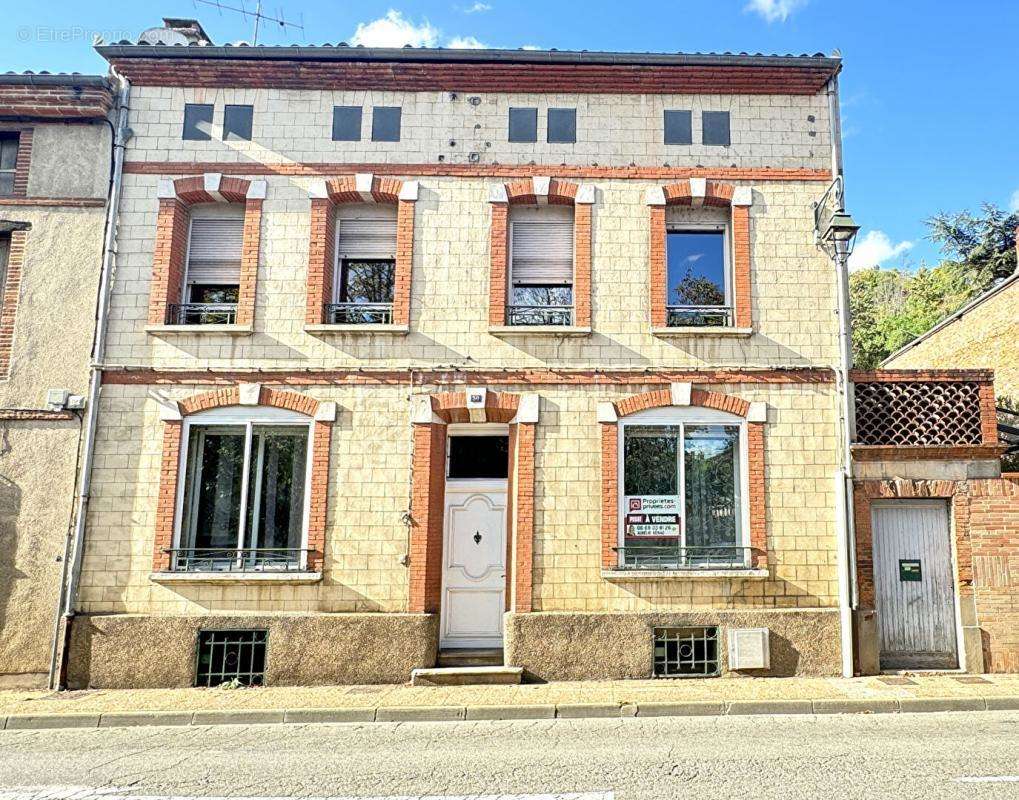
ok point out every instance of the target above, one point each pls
(477, 537)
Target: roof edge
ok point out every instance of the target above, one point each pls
(72, 79)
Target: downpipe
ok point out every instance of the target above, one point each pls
(76, 539)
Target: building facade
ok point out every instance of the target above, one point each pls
(417, 352)
(54, 178)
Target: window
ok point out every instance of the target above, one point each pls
(197, 122)
(523, 124)
(213, 274)
(386, 124)
(562, 125)
(5, 254)
(541, 267)
(478, 457)
(678, 127)
(245, 485)
(8, 162)
(237, 123)
(716, 127)
(347, 123)
(225, 656)
(365, 271)
(697, 286)
(682, 477)
(685, 652)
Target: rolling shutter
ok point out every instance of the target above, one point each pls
(367, 238)
(214, 252)
(542, 253)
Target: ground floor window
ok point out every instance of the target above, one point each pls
(682, 496)
(244, 496)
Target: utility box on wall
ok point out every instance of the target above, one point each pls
(749, 648)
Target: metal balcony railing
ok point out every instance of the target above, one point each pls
(250, 559)
(203, 314)
(539, 315)
(359, 313)
(698, 316)
(683, 557)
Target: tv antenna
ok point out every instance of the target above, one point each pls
(256, 16)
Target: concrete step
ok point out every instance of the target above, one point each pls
(465, 676)
(470, 657)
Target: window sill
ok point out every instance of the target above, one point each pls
(199, 330)
(324, 329)
(235, 577)
(717, 330)
(566, 331)
(626, 575)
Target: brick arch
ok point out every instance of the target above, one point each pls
(680, 394)
(173, 428)
(702, 192)
(176, 197)
(428, 483)
(540, 191)
(359, 188)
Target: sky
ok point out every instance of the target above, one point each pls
(929, 93)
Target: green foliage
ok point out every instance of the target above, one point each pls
(891, 307)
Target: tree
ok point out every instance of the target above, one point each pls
(984, 244)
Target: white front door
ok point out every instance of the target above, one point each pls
(474, 565)
(914, 584)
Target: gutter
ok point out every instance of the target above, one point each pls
(76, 540)
(44, 79)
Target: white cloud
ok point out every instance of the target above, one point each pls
(1013, 201)
(775, 10)
(874, 249)
(477, 8)
(465, 43)
(395, 30)
(531, 47)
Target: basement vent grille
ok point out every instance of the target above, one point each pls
(225, 656)
(686, 652)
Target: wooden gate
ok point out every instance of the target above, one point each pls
(914, 584)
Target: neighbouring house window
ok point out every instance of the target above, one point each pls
(562, 125)
(346, 123)
(678, 127)
(541, 267)
(523, 124)
(197, 122)
(8, 162)
(697, 286)
(715, 127)
(237, 122)
(365, 270)
(682, 491)
(244, 494)
(213, 273)
(386, 124)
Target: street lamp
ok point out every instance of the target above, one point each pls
(841, 232)
(838, 235)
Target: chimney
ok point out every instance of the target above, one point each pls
(191, 29)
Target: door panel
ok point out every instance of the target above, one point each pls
(914, 585)
(474, 567)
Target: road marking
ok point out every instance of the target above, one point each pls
(84, 793)
(988, 779)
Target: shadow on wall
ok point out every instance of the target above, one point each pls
(10, 511)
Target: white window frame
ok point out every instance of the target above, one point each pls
(698, 227)
(207, 211)
(681, 416)
(247, 417)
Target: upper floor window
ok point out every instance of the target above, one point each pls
(678, 127)
(243, 505)
(682, 506)
(212, 273)
(386, 124)
(698, 286)
(715, 126)
(237, 122)
(5, 255)
(8, 162)
(562, 125)
(365, 269)
(523, 124)
(346, 123)
(541, 266)
(197, 122)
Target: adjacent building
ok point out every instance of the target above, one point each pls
(54, 178)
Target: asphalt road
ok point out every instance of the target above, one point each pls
(930, 756)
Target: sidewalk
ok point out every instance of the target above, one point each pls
(886, 694)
